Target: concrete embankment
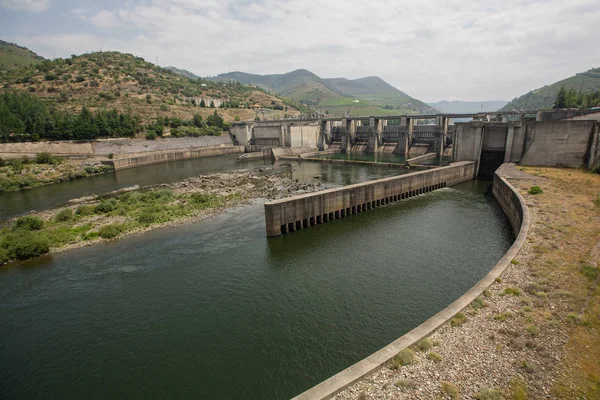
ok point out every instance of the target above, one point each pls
(103, 147)
(298, 212)
(165, 156)
(516, 210)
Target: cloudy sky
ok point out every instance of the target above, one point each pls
(431, 49)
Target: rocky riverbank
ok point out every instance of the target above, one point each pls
(534, 334)
(135, 210)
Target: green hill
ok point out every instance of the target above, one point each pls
(129, 84)
(335, 96)
(544, 97)
(12, 54)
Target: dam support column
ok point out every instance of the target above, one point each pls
(346, 142)
(479, 132)
(510, 134)
(324, 135)
(373, 135)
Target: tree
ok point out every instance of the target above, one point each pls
(198, 120)
(202, 103)
(215, 120)
(212, 104)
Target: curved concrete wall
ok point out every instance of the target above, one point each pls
(515, 208)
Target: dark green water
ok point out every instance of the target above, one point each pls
(46, 197)
(379, 157)
(215, 310)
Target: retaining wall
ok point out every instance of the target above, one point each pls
(515, 208)
(158, 157)
(302, 211)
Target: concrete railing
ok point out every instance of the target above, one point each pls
(517, 212)
(302, 211)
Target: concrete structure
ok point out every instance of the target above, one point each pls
(517, 212)
(165, 156)
(284, 133)
(315, 208)
(565, 143)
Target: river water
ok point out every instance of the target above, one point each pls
(13, 204)
(217, 310)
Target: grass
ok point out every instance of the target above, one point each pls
(450, 389)
(517, 389)
(533, 330)
(478, 304)
(503, 316)
(403, 358)
(458, 320)
(107, 218)
(512, 291)
(488, 394)
(433, 356)
(535, 190)
(424, 344)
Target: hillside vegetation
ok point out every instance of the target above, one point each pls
(130, 85)
(12, 54)
(544, 98)
(336, 96)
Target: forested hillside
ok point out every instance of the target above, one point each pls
(544, 97)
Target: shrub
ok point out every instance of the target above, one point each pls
(23, 245)
(110, 231)
(512, 291)
(404, 357)
(535, 190)
(46, 158)
(104, 207)
(533, 330)
(2, 162)
(433, 356)
(450, 390)
(424, 344)
(478, 303)
(28, 223)
(590, 271)
(147, 218)
(458, 319)
(518, 389)
(84, 211)
(110, 156)
(64, 215)
(151, 135)
(488, 394)
(502, 316)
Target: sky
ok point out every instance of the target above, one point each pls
(431, 49)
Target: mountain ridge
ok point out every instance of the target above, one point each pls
(369, 95)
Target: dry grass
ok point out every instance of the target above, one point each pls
(567, 247)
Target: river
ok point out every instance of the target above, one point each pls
(218, 310)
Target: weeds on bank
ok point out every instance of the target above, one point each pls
(32, 236)
(458, 320)
(403, 358)
(450, 390)
(535, 190)
(488, 394)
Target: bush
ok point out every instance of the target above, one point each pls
(404, 357)
(2, 162)
(28, 223)
(433, 356)
(110, 156)
(84, 211)
(424, 344)
(23, 245)
(151, 135)
(147, 218)
(64, 215)
(110, 231)
(105, 206)
(535, 190)
(46, 158)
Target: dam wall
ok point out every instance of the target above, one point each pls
(165, 156)
(302, 211)
(515, 208)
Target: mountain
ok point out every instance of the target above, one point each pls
(107, 80)
(334, 96)
(183, 72)
(544, 97)
(11, 54)
(458, 107)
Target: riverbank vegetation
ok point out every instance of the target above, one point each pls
(25, 172)
(106, 218)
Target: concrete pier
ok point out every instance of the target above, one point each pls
(289, 214)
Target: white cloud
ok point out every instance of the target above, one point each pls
(25, 5)
(104, 19)
(470, 50)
